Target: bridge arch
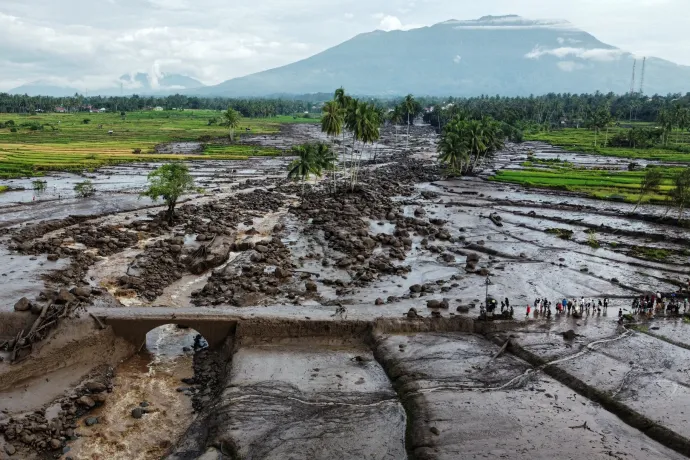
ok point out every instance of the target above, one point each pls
(134, 329)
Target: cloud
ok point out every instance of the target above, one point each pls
(389, 23)
(349, 15)
(457, 59)
(593, 54)
(569, 66)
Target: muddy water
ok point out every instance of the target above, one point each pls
(150, 377)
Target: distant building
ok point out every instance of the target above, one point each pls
(103, 110)
(60, 110)
(158, 109)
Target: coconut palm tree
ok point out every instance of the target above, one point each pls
(304, 165)
(650, 183)
(332, 124)
(410, 106)
(231, 119)
(396, 117)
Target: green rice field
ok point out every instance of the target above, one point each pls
(46, 142)
(582, 140)
(620, 185)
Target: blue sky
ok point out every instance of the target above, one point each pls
(88, 44)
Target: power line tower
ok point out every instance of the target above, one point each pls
(632, 82)
(644, 64)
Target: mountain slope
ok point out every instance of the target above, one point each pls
(505, 55)
(139, 83)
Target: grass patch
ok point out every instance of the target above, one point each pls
(592, 240)
(4, 188)
(46, 142)
(650, 253)
(596, 183)
(562, 233)
(582, 140)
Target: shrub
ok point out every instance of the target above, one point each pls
(39, 185)
(86, 121)
(85, 189)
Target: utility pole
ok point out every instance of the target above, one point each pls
(632, 83)
(644, 62)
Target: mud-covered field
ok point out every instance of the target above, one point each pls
(353, 316)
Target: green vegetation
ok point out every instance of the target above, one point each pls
(85, 189)
(39, 185)
(169, 182)
(592, 240)
(313, 158)
(562, 233)
(465, 143)
(76, 146)
(602, 184)
(650, 253)
(4, 188)
(583, 140)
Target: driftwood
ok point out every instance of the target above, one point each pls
(202, 251)
(49, 318)
(100, 323)
(500, 352)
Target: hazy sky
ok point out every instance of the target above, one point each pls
(88, 44)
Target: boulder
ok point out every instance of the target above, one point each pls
(281, 273)
(472, 257)
(9, 448)
(53, 257)
(55, 444)
(95, 387)
(91, 421)
(569, 335)
(261, 249)
(64, 296)
(379, 301)
(137, 413)
(412, 313)
(22, 304)
(433, 304)
(81, 291)
(217, 253)
(416, 288)
(310, 286)
(86, 401)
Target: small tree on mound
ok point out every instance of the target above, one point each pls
(85, 189)
(231, 120)
(169, 182)
(650, 183)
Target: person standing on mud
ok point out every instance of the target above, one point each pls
(606, 303)
(528, 311)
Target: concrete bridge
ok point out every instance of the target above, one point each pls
(134, 324)
(216, 325)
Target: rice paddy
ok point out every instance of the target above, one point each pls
(583, 140)
(84, 141)
(602, 184)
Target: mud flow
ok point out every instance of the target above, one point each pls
(338, 318)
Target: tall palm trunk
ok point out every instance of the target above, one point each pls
(408, 132)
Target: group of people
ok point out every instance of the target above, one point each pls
(542, 307)
(659, 303)
(644, 305)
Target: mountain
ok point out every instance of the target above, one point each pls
(138, 83)
(506, 55)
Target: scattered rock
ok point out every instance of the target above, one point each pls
(91, 421)
(9, 448)
(64, 296)
(435, 430)
(22, 305)
(86, 401)
(95, 387)
(137, 413)
(569, 335)
(379, 301)
(412, 313)
(310, 286)
(53, 257)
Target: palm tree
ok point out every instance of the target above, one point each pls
(396, 117)
(453, 150)
(680, 194)
(231, 119)
(650, 183)
(332, 124)
(410, 106)
(304, 165)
